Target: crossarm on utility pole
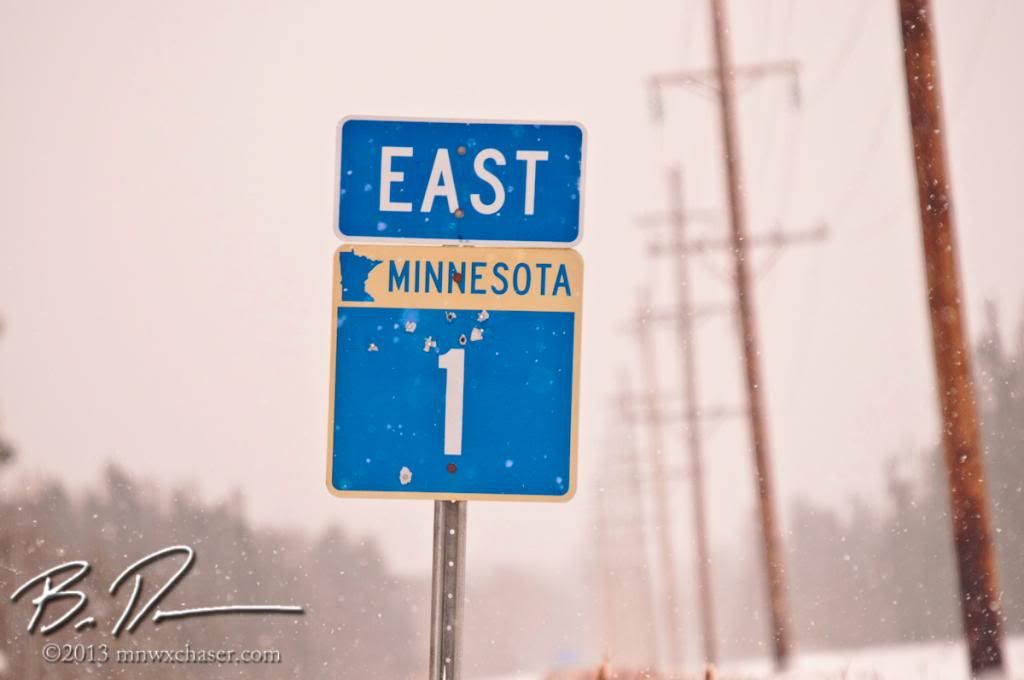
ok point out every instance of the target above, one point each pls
(707, 80)
(770, 239)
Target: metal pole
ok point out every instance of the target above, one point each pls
(673, 623)
(748, 329)
(691, 417)
(972, 535)
(448, 586)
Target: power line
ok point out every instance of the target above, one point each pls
(849, 43)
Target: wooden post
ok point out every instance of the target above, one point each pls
(771, 544)
(961, 439)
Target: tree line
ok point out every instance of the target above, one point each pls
(358, 619)
(884, 572)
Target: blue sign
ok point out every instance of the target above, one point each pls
(465, 182)
(455, 372)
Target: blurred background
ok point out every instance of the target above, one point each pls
(166, 193)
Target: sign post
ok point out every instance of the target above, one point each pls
(447, 590)
(454, 370)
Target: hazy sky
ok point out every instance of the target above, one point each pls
(166, 189)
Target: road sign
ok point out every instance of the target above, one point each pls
(460, 182)
(455, 372)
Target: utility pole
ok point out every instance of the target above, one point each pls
(6, 552)
(639, 545)
(673, 625)
(630, 601)
(773, 557)
(720, 82)
(605, 559)
(683, 317)
(972, 534)
(691, 415)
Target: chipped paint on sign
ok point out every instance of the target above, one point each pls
(440, 381)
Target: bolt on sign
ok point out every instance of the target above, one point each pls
(456, 372)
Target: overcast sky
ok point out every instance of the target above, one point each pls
(166, 188)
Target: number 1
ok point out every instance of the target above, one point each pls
(453, 362)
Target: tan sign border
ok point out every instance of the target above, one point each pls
(440, 301)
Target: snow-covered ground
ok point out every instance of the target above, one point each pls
(923, 661)
(927, 661)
